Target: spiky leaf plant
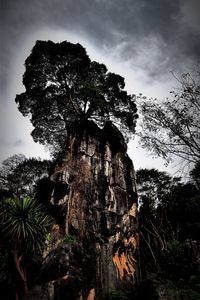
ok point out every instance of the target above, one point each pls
(23, 227)
(24, 223)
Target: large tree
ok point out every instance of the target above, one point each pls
(63, 85)
(171, 127)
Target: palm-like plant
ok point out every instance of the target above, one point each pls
(24, 226)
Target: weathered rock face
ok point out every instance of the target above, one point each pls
(95, 199)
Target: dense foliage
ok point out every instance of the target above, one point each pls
(63, 85)
(169, 233)
(7, 168)
(19, 176)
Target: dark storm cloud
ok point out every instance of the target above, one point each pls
(153, 35)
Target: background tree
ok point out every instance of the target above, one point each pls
(169, 228)
(154, 184)
(19, 175)
(171, 127)
(155, 228)
(63, 85)
(26, 175)
(6, 169)
(182, 206)
(169, 208)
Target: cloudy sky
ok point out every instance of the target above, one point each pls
(142, 40)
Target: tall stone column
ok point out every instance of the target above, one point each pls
(96, 199)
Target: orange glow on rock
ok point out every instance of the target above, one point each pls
(124, 265)
(125, 262)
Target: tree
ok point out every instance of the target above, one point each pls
(7, 167)
(169, 208)
(154, 185)
(171, 127)
(19, 175)
(169, 229)
(27, 174)
(155, 228)
(182, 206)
(63, 85)
(24, 226)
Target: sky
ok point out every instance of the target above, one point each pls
(142, 40)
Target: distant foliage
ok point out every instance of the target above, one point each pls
(169, 227)
(7, 167)
(19, 175)
(154, 185)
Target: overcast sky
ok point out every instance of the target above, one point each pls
(142, 40)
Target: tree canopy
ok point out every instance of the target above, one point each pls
(63, 85)
(171, 127)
